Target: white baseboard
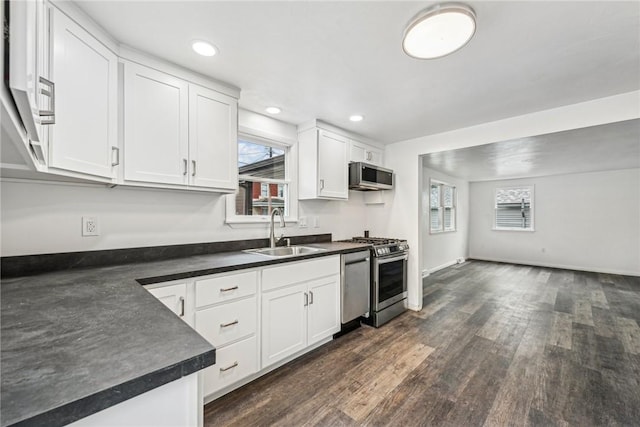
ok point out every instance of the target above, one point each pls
(562, 266)
(445, 265)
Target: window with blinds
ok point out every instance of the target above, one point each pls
(514, 208)
(442, 207)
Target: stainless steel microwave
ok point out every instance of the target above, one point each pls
(366, 177)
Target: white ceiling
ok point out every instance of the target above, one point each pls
(328, 60)
(598, 148)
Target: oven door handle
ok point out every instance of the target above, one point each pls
(402, 257)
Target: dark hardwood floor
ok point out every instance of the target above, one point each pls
(495, 344)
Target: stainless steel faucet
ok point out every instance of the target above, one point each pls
(272, 238)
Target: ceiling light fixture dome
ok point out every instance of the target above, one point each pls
(203, 48)
(356, 118)
(439, 31)
(273, 110)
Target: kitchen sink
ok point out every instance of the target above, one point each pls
(285, 251)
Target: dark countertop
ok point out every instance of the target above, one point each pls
(77, 341)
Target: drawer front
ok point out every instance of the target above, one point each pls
(302, 271)
(225, 288)
(233, 363)
(227, 322)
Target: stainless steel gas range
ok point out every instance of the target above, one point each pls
(388, 278)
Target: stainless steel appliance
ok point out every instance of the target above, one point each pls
(366, 177)
(355, 286)
(388, 278)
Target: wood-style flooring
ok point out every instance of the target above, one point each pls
(495, 344)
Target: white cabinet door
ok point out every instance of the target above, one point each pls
(213, 139)
(85, 75)
(156, 132)
(27, 61)
(361, 152)
(173, 296)
(324, 308)
(284, 323)
(333, 178)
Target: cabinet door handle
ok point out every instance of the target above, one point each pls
(193, 169)
(306, 299)
(322, 184)
(48, 117)
(181, 306)
(229, 289)
(369, 155)
(229, 367)
(185, 166)
(117, 151)
(226, 325)
(310, 297)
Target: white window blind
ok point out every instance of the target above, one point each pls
(514, 208)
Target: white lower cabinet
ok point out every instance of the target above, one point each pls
(299, 314)
(258, 318)
(175, 297)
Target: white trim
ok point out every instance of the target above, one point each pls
(561, 266)
(442, 266)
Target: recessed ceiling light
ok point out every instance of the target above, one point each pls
(356, 118)
(204, 48)
(439, 31)
(273, 110)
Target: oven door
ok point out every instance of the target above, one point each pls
(389, 281)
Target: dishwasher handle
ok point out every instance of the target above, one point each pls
(358, 261)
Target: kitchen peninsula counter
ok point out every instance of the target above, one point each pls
(77, 341)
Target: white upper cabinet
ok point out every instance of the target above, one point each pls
(178, 133)
(361, 152)
(84, 137)
(28, 70)
(323, 172)
(156, 126)
(213, 132)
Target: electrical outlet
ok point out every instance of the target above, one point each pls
(302, 222)
(315, 222)
(90, 226)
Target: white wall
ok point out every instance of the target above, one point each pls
(440, 250)
(39, 217)
(588, 221)
(401, 219)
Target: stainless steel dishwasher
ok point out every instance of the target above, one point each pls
(355, 286)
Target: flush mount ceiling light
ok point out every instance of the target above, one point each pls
(273, 110)
(204, 48)
(356, 118)
(439, 30)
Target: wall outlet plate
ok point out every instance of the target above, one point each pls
(90, 226)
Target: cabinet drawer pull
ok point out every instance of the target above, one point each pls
(181, 307)
(185, 166)
(225, 325)
(233, 288)
(193, 169)
(310, 297)
(306, 299)
(322, 184)
(117, 151)
(48, 117)
(229, 367)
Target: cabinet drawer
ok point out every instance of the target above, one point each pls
(225, 288)
(233, 363)
(302, 271)
(227, 322)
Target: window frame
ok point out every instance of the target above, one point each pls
(291, 197)
(441, 207)
(531, 227)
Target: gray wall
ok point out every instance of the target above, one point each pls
(587, 221)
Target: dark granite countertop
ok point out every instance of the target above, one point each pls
(77, 341)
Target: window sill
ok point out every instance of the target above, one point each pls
(258, 220)
(442, 232)
(513, 229)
